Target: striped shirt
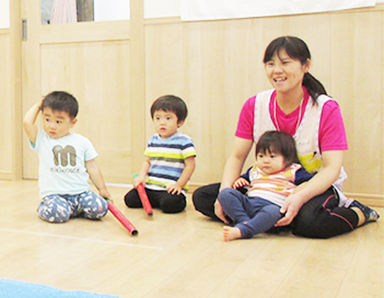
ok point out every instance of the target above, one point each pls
(273, 187)
(167, 160)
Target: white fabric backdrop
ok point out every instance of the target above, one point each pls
(119, 9)
(4, 13)
(228, 9)
(111, 10)
(165, 8)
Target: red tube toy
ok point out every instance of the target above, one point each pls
(122, 219)
(144, 198)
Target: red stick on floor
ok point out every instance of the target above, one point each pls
(144, 198)
(122, 219)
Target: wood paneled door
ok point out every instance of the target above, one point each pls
(93, 61)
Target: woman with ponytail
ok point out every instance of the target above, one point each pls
(299, 105)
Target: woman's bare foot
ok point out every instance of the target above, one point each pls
(231, 233)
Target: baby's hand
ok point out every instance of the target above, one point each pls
(174, 189)
(240, 182)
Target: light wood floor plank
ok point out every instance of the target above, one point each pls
(181, 255)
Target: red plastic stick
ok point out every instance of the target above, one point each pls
(122, 219)
(144, 198)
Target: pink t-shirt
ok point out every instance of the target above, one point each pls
(332, 134)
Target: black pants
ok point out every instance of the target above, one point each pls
(161, 199)
(320, 217)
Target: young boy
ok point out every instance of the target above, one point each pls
(66, 161)
(169, 159)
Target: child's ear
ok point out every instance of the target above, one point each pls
(180, 123)
(74, 120)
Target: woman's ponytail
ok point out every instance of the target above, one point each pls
(314, 87)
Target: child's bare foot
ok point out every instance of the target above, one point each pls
(230, 233)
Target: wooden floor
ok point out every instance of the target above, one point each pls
(180, 255)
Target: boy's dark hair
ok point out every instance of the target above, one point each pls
(61, 101)
(279, 142)
(170, 103)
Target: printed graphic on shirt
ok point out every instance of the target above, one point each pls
(65, 154)
(63, 158)
(311, 162)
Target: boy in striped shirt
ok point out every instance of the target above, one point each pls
(169, 159)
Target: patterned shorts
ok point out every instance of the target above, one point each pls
(60, 208)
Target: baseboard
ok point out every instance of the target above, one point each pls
(4, 175)
(374, 200)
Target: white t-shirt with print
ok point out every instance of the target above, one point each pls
(62, 163)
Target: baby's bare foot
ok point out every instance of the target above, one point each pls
(230, 233)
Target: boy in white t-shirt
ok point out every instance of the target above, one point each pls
(66, 162)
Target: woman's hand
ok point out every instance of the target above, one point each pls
(290, 209)
(219, 212)
(328, 173)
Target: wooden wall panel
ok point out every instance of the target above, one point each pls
(381, 107)
(102, 65)
(6, 125)
(97, 74)
(215, 66)
(357, 69)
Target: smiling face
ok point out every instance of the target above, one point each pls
(166, 123)
(285, 73)
(57, 124)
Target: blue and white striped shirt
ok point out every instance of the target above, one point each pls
(167, 159)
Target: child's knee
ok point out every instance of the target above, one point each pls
(53, 213)
(132, 199)
(94, 206)
(273, 211)
(173, 205)
(225, 194)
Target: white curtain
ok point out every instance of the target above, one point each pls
(63, 11)
(4, 13)
(229, 9)
(111, 10)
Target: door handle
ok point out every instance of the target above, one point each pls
(24, 32)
